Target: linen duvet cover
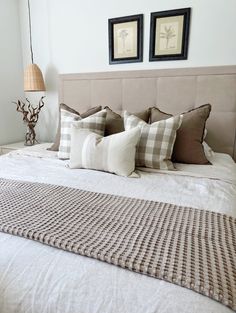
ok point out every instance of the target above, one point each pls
(37, 278)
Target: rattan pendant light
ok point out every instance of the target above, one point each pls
(33, 77)
(33, 81)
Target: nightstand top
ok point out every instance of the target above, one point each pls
(14, 146)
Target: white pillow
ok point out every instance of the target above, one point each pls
(114, 154)
(207, 150)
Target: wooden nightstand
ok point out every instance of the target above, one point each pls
(4, 149)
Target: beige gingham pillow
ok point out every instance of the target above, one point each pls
(156, 143)
(94, 123)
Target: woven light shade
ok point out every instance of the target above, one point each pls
(33, 79)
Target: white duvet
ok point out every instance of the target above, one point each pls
(35, 278)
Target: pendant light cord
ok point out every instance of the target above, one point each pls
(30, 31)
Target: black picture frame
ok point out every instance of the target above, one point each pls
(113, 59)
(183, 54)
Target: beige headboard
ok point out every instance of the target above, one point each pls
(172, 90)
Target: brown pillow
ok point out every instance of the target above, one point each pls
(188, 146)
(115, 123)
(56, 144)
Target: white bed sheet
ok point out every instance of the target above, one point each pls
(35, 278)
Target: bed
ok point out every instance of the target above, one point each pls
(38, 278)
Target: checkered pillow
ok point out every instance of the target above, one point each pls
(94, 123)
(156, 143)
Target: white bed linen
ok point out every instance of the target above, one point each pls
(35, 278)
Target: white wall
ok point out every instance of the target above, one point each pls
(11, 72)
(72, 36)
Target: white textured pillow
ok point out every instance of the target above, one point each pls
(207, 150)
(114, 154)
(95, 123)
(156, 143)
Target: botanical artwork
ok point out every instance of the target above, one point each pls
(125, 40)
(169, 35)
(169, 32)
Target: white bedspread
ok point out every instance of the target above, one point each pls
(35, 278)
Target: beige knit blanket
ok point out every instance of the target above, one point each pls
(185, 246)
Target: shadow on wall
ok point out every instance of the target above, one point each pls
(48, 121)
(51, 78)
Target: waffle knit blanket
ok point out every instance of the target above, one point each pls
(189, 247)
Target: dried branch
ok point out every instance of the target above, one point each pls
(30, 117)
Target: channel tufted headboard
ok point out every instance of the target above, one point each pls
(172, 90)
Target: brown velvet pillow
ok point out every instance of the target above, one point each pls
(188, 146)
(115, 123)
(56, 144)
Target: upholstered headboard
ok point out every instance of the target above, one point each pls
(172, 90)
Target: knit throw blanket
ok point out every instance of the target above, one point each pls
(189, 247)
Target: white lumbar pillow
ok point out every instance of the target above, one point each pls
(114, 154)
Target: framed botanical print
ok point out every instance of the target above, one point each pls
(169, 34)
(126, 39)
